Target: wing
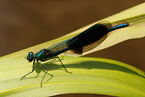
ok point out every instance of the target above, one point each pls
(88, 39)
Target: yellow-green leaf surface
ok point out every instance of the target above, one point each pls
(89, 75)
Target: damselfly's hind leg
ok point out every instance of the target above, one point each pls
(29, 72)
(45, 74)
(63, 65)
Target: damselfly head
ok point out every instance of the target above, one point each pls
(30, 56)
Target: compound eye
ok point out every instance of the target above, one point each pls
(30, 57)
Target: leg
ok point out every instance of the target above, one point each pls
(62, 58)
(54, 59)
(45, 73)
(63, 65)
(29, 72)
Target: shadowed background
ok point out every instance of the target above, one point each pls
(24, 23)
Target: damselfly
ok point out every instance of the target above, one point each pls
(85, 41)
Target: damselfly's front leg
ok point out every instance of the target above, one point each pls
(29, 72)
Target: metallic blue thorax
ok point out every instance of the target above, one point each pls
(42, 55)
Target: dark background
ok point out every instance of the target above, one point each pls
(24, 23)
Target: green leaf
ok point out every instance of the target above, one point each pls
(89, 75)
